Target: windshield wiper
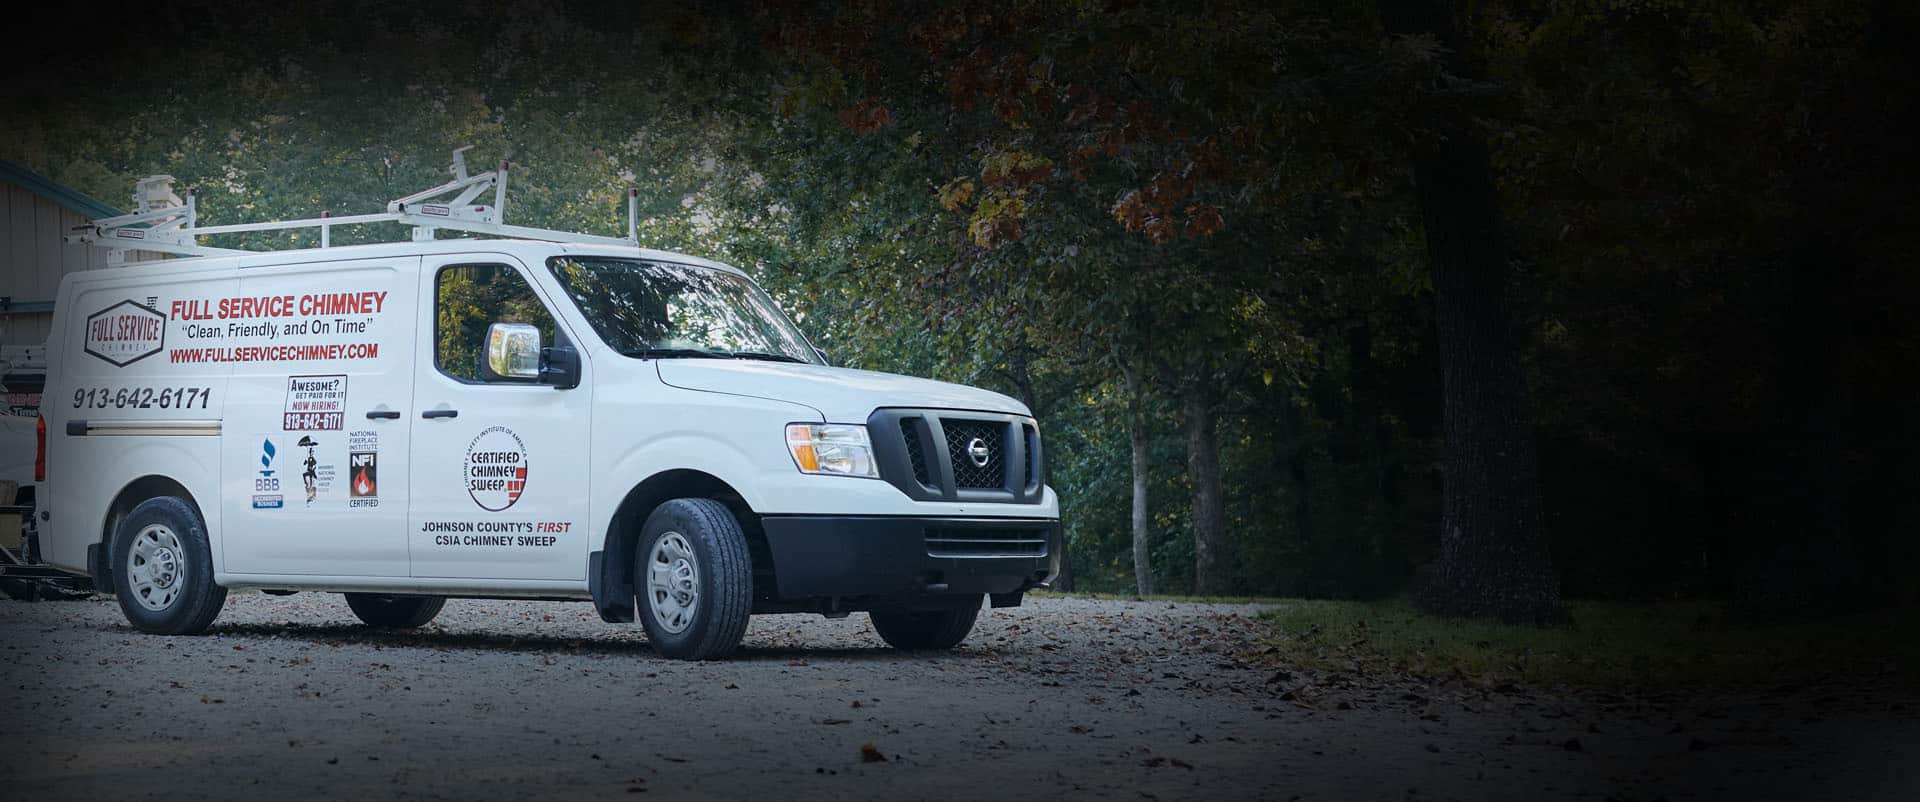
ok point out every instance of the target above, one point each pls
(767, 356)
(675, 353)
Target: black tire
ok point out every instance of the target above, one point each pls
(179, 575)
(396, 612)
(722, 578)
(915, 630)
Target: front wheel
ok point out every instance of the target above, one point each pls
(397, 612)
(163, 569)
(928, 629)
(694, 578)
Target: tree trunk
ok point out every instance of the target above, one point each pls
(1063, 581)
(1213, 575)
(1137, 434)
(1493, 557)
(1296, 465)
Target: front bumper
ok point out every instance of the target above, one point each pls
(818, 556)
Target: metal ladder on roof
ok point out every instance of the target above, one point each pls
(167, 224)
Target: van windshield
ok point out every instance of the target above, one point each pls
(657, 310)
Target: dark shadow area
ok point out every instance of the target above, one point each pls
(435, 639)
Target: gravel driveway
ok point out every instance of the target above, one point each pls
(289, 698)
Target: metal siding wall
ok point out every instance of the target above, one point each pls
(19, 275)
(22, 271)
(12, 269)
(34, 256)
(49, 223)
(31, 329)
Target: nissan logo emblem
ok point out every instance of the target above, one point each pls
(977, 451)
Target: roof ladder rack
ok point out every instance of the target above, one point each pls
(169, 225)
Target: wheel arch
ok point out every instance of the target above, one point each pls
(100, 563)
(610, 574)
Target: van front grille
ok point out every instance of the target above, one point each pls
(917, 455)
(1032, 436)
(974, 542)
(984, 468)
(959, 455)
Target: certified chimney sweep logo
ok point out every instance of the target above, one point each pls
(125, 333)
(496, 468)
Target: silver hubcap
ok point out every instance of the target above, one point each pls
(155, 567)
(673, 582)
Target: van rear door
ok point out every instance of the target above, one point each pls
(317, 426)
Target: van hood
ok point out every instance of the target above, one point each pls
(842, 395)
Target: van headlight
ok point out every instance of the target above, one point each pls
(834, 449)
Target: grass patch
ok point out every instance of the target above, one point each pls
(1602, 645)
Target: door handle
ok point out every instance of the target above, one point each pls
(440, 413)
(382, 414)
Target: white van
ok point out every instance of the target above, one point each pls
(404, 423)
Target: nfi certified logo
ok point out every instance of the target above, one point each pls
(125, 333)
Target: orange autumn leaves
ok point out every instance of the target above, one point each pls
(1050, 121)
(866, 117)
(1002, 197)
(1151, 210)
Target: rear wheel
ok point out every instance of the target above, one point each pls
(398, 612)
(911, 630)
(694, 579)
(163, 569)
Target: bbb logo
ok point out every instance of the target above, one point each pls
(266, 486)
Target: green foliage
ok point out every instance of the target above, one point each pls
(1708, 207)
(468, 299)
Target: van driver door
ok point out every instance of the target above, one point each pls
(499, 474)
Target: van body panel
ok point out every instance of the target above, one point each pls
(479, 588)
(117, 462)
(112, 361)
(654, 428)
(844, 395)
(310, 484)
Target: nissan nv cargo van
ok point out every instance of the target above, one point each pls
(410, 422)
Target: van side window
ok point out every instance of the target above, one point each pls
(468, 299)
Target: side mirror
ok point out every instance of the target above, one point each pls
(819, 352)
(513, 350)
(560, 365)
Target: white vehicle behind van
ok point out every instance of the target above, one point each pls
(514, 418)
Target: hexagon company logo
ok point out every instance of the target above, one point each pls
(125, 333)
(496, 468)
